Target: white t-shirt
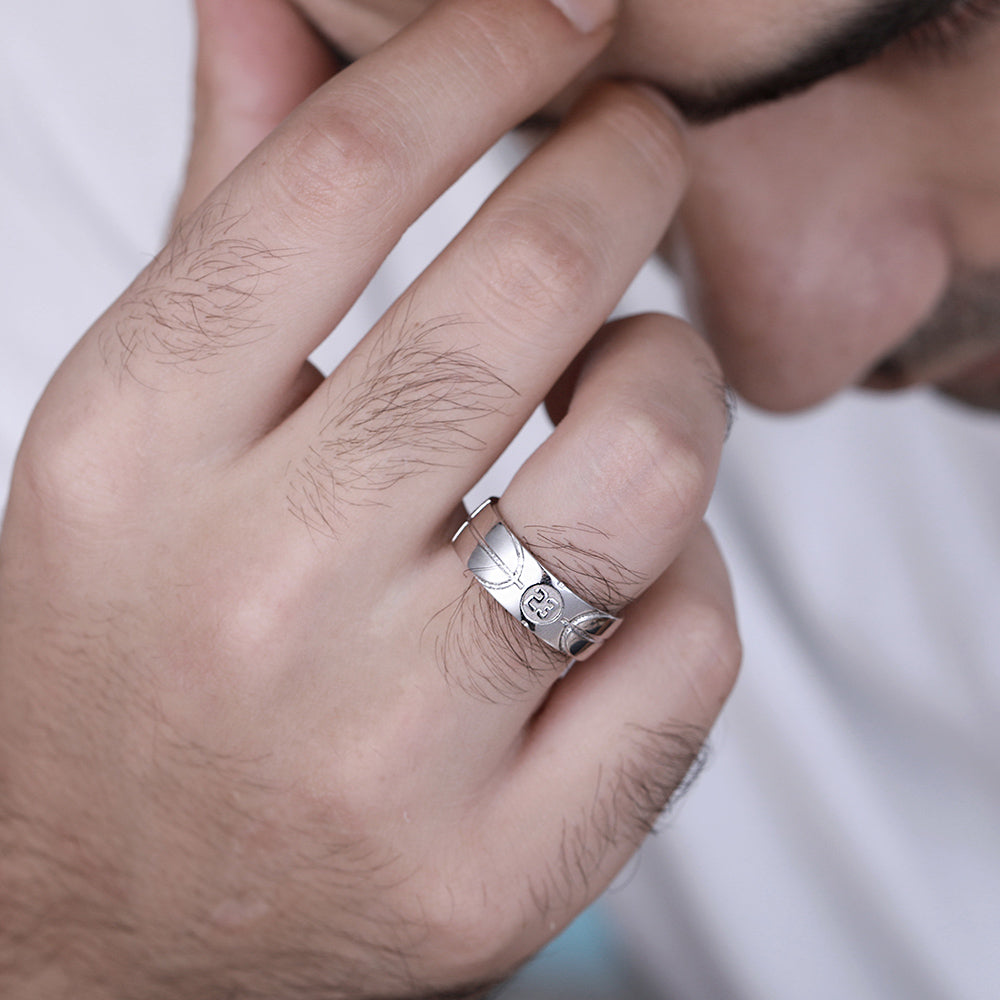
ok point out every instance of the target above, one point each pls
(844, 841)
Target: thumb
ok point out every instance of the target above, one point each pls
(257, 60)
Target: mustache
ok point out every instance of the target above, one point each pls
(964, 326)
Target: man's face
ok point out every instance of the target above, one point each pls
(849, 232)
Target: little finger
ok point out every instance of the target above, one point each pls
(616, 741)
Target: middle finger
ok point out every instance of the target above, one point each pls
(450, 374)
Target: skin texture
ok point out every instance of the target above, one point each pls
(259, 736)
(661, 40)
(902, 250)
(849, 229)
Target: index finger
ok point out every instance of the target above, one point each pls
(277, 254)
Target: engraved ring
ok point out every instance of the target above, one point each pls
(540, 601)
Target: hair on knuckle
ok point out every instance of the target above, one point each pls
(410, 405)
(483, 651)
(579, 555)
(313, 494)
(200, 298)
(486, 652)
(662, 764)
(656, 769)
(721, 391)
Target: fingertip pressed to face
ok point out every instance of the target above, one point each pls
(832, 233)
(687, 45)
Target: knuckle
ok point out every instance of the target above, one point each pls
(249, 619)
(676, 365)
(70, 474)
(344, 163)
(369, 771)
(661, 763)
(711, 379)
(537, 260)
(715, 637)
(197, 300)
(658, 464)
(509, 668)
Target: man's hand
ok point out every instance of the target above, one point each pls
(260, 734)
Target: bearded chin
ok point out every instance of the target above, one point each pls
(984, 395)
(957, 349)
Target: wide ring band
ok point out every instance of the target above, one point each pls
(533, 595)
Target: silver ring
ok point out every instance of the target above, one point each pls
(537, 598)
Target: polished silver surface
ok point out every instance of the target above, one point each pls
(540, 601)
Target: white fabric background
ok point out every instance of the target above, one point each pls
(843, 842)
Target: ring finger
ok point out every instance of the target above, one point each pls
(606, 505)
(449, 375)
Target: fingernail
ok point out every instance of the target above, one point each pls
(586, 15)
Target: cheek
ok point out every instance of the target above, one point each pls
(804, 256)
